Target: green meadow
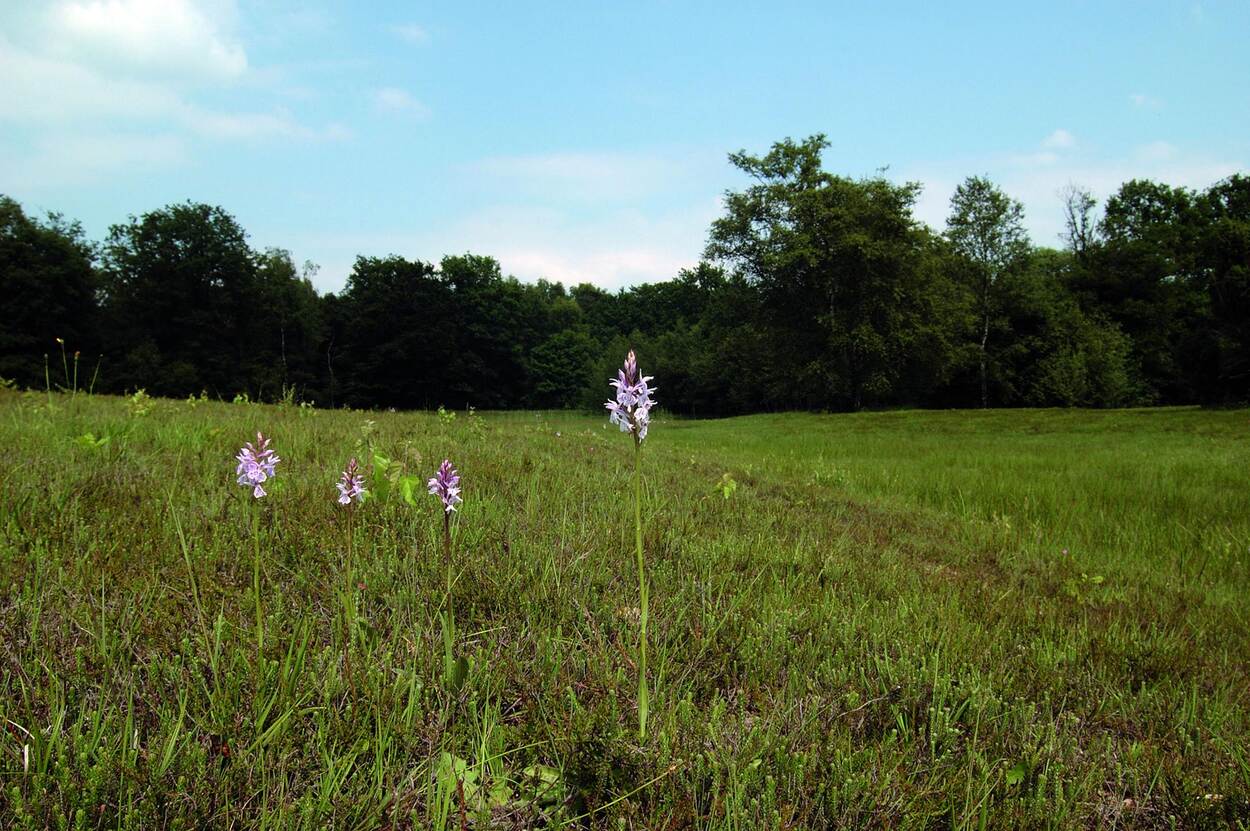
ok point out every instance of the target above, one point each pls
(918, 619)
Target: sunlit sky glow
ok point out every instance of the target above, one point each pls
(588, 141)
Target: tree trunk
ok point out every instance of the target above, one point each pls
(985, 339)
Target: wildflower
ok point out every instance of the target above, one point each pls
(631, 411)
(256, 465)
(351, 485)
(446, 486)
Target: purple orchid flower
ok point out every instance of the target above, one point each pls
(351, 485)
(446, 486)
(256, 465)
(631, 411)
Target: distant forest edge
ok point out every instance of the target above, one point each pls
(817, 291)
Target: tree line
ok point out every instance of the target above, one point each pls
(817, 291)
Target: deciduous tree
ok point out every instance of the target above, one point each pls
(986, 227)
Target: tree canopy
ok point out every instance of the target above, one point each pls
(817, 291)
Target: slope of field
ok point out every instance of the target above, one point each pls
(916, 619)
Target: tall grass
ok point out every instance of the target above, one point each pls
(876, 626)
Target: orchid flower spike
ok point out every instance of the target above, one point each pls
(446, 485)
(631, 411)
(256, 465)
(351, 485)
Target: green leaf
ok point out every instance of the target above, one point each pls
(90, 441)
(451, 768)
(459, 673)
(500, 795)
(409, 486)
(1015, 775)
(381, 482)
(544, 783)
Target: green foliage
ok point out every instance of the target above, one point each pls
(1169, 271)
(1062, 356)
(889, 632)
(286, 356)
(139, 404)
(391, 310)
(837, 263)
(90, 442)
(1224, 257)
(385, 475)
(820, 292)
(561, 368)
(180, 284)
(986, 232)
(47, 291)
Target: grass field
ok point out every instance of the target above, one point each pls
(898, 620)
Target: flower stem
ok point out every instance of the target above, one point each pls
(260, 625)
(64, 364)
(643, 704)
(449, 620)
(349, 605)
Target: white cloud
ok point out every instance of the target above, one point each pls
(396, 100)
(611, 250)
(175, 37)
(1155, 151)
(1037, 185)
(608, 218)
(1039, 159)
(86, 75)
(616, 249)
(81, 159)
(1053, 147)
(411, 33)
(46, 91)
(1059, 140)
(42, 89)
(594, 177)
(1145, 102)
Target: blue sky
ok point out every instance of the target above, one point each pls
(588, 141)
